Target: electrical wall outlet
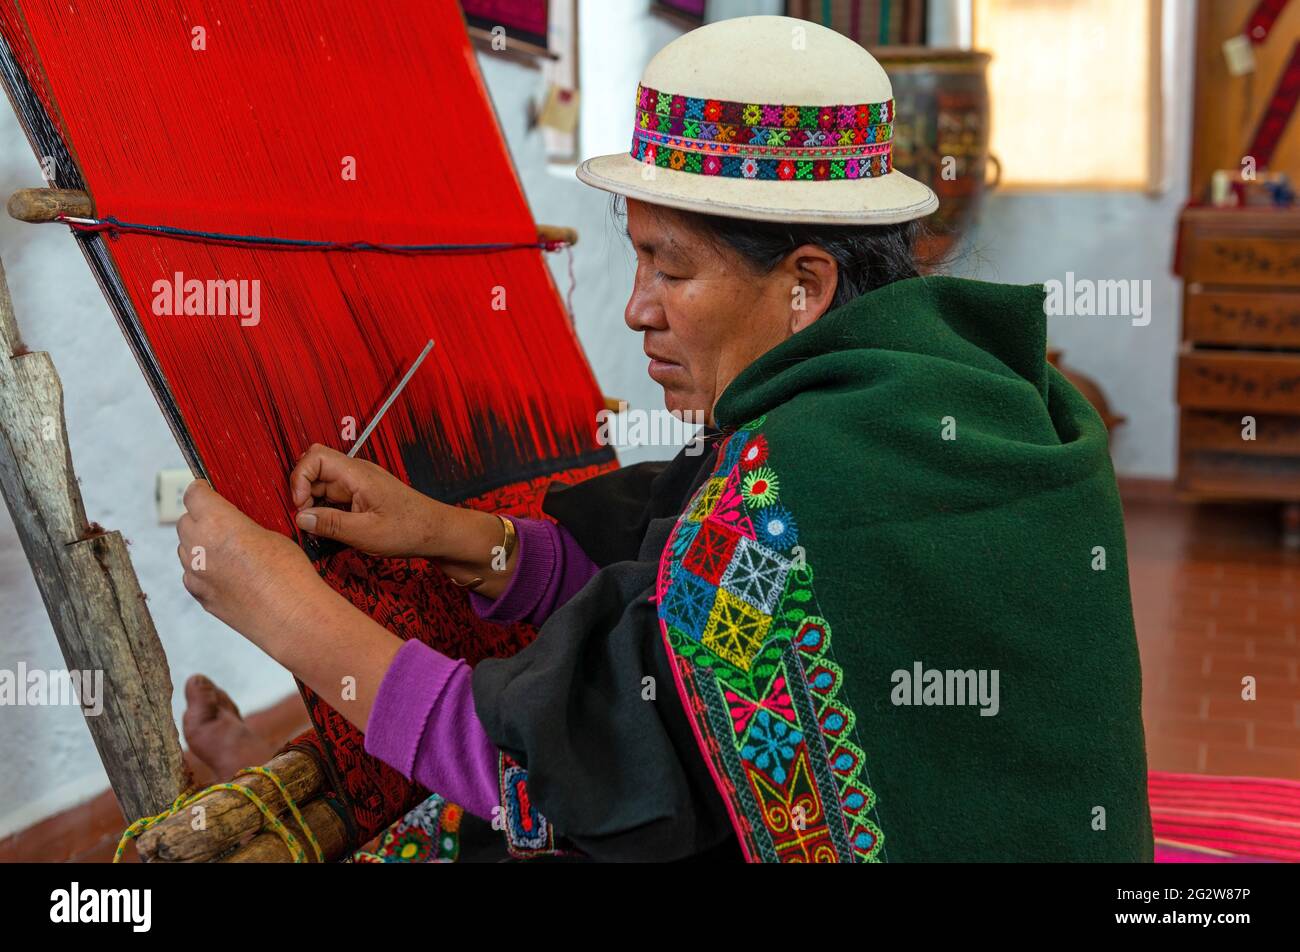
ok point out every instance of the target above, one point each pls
(169, 493)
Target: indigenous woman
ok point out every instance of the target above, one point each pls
(880, 611)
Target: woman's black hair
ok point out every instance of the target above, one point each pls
(869, 256)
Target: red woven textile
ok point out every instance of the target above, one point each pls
(1225, 818)
(322, 120)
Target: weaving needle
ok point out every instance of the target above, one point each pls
(401, 385)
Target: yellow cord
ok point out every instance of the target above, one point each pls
(180, 803)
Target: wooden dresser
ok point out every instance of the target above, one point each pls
(1240, 356)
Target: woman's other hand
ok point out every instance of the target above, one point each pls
(385, 517)
(254, 580)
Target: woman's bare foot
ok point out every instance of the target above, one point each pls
(216, 733)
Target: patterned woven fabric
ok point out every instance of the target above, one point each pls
(1224, 819)
(428, 834)
(757, 141)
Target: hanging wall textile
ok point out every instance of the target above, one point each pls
(320, 121)
(527, 20)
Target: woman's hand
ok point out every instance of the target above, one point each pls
(257, 581)
(260, 584)
(386, 517)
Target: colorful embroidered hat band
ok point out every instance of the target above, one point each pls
(750, 140)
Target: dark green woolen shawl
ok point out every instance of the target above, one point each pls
(971, 553)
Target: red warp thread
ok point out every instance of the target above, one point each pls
(252, 134)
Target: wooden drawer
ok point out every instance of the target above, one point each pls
(1252, 318)
(1207, 475)
(1221, 431)
(1227, 380)
(1240, 355)
(1226, 258)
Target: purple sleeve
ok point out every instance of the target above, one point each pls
(549, 570)
(424, 725)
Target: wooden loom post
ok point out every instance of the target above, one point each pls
(100, 619)
(87, 582)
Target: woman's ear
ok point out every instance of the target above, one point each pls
(814, 275)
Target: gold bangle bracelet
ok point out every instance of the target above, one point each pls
(507, 546)
(511, 540)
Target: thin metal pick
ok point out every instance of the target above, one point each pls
(401, 385)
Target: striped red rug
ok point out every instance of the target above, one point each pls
(1200, 819)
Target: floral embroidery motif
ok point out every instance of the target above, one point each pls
(778, 527)
(430, 833)
(772, 744)
(763, 141)
(760, 486)
(743, 708)
(753, 659)
(755, 453)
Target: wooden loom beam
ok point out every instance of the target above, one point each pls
(87, 582)
(266, 847)
(44, 205)
(229, 817)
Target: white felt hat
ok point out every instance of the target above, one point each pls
(766, 118)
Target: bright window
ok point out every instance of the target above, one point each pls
(1075, 91)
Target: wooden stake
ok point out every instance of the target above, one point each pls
(86, 580)
(568, 236)
(46, 204)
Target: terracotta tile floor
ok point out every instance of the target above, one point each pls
(1216, 599)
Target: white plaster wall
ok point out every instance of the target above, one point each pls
(1031, 237)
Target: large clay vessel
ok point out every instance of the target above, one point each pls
(941, 131)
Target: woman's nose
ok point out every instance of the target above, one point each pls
(644, 311)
